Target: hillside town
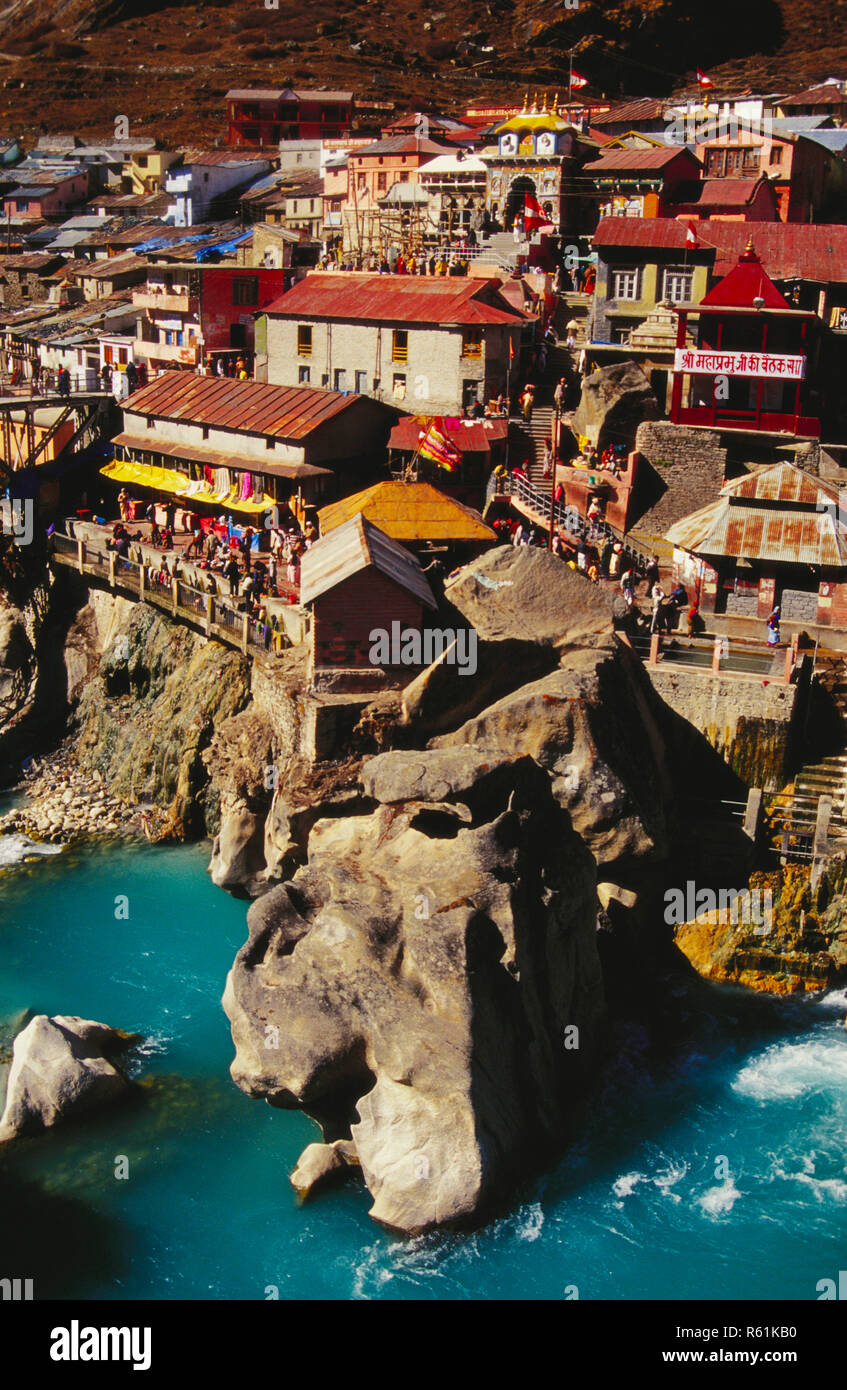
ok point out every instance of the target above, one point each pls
(612, 330)
(423, 645)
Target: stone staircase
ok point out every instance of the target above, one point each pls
(826, 778)
(574, 306)
(528, 439)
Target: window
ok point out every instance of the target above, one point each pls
(245, 289)
(123, 356)
(205, 431)
(299, 159)
(400, 346)
(399, 385)
(108, 353)
(404, 177)
(361, 181)
(472, 342)
(311, 205)
(361, 382)
(270, 443)
(150, 422)
(776, 154)
(626, 284)
(304, 376)
(340, 379)
(380, 182)
(679, 285)
(304, 340)
(142, 161)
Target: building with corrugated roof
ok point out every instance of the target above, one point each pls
(432, 344)
(243, 445)
(418, 515)
(774, 537)
(641, 182)
(264, 116)
(358, 581)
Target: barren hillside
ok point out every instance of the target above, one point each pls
(77, 64)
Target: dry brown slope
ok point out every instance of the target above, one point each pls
(84, 62)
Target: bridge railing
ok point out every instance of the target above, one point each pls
(159, 585)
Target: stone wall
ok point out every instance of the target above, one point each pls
(746, 720)
(681, 469)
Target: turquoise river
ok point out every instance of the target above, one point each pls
(719, 1173)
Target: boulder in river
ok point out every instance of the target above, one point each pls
(61, 1067)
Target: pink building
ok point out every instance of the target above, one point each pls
(47, 195)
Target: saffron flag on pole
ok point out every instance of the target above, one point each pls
(577, 80)
(703, 80)
(435, 446)
(511, 348)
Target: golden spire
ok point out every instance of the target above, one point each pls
(534, 111)
(544, 107)
(525, 103)
(556, 104)
(749, 249)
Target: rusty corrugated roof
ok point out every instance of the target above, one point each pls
(354, 546)
(779, 534)
(782, 482)
(409, 512)
(642, 109)
(219, 458)
(251, 407)
(636, 159)
(397, 299)
(788, 250)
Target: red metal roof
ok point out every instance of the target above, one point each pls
(644, 109)
(789, 250)
(248, 407)
(468, 436)
(396, 298)
(720, 193)
(744, 283)
(636, 159)
(825, 94)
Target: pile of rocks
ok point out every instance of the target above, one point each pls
(64, 804)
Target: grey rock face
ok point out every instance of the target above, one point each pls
(614, 402)
(411, 986)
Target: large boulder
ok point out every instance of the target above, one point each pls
(61, 1067)
(428, 984)
(590, 725)
(520, 594)
(614, 402)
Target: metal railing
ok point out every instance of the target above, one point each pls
(566, 517)
(176, 596)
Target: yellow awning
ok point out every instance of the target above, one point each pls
(177, 485)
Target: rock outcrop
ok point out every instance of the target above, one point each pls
(614, 402)
(61, 1068)
(428, 984)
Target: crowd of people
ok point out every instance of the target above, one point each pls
(222, 561)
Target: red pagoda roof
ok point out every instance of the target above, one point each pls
(747, 281)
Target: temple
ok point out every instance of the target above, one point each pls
(749, 368)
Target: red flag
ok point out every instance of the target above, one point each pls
(511, 349)
(691, 235)
(578, 81)
(534, 216)
(703, 80)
